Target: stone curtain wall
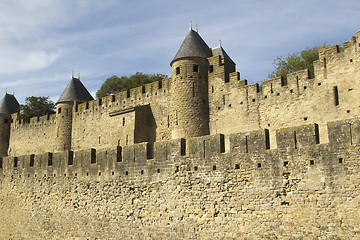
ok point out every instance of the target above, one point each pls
(332, 95)
(192, 189)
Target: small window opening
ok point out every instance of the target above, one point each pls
(214, 168)
(196, 68)
(113, 98)
(128, 93)
(286, 163)
(305, 118)
(126, 173)
(183, 147)
(285, 203)
(259, 165)
(118, 154)
(50, 159)
(1, 162)
(99, 173)
(324, 62)
(100, 101)
(113, 173)
(158, 170)
(319, 84)
(311, 162)
(123, 121)
(70, 158)
(304, 87)
(87, 105)
(341, 160)
(195, 168)
(32, 160)
(15, 161)
(237, 166)
(93, 155)
(336, 96)
(351, 60)
(160, 84)
(142, 172)
(59, 110)
(253, 99)
(211, 68)
(291, 91)
(143, 89)
(177, 70)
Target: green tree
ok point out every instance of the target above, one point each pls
(296, 61)
(116, 84)
(36, 106)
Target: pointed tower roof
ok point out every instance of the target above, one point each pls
(9, 104)
(75, 91)
(220, 51)
(192, 46)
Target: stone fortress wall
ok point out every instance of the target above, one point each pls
(280, 162)
(190, 189)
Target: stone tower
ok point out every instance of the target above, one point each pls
(8, 105)
(189, 89)
(74, 93)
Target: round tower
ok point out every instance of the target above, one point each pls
(189, 88)
(75, 92)
(8, 106)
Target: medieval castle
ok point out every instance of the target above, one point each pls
(200, 155)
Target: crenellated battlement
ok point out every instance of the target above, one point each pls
(154, 161)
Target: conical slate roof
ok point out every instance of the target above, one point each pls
(192, 46)
(220, 51)
(9, 104)
(75, 91)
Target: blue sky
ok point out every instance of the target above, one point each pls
(43, 41)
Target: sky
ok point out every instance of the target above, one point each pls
(43, 41)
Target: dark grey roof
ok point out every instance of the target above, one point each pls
(9, 104)
(220, 51)
(75, 91)
(193, 46)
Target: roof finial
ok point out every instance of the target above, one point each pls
(5, 90)
(79, 76)
(220, 43)
(190, 25)
(72, 74)
(196, 28)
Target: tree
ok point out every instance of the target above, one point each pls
(36, 106)
(116, 84)
(296, 61)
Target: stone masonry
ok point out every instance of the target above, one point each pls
(201, 155)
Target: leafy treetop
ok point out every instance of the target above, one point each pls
(116, 84)
(36, 106)
(296, 61)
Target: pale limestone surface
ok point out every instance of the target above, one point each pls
(201, 155)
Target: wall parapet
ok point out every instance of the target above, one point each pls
(151, 162)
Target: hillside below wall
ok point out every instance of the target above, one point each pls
(300, 190)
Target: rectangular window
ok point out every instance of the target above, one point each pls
(93, 155)
(32, 160)
(336, 96)
(71, 158)
(1, 162)
(113, 98)
(128, 93)
(50, 159)
(119, 154)
(177, 70)
(195, 68)
(15, 162)
(211, 68)
(143, 89)
(59, 110)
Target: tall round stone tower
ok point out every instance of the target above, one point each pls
(75, 92)
(189, 88)
(8, 106)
